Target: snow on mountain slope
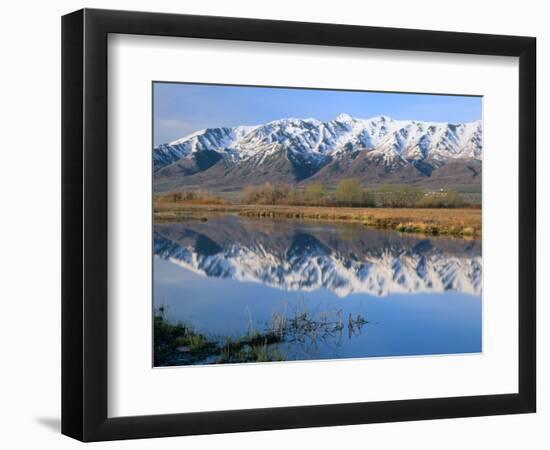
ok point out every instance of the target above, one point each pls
(218, 139)
(315, 140)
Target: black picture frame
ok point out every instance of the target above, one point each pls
(84, 224)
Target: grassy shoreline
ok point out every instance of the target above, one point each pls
(180, 344)
(461, 222)
(177, 343)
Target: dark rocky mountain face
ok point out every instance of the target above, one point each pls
(375, 170)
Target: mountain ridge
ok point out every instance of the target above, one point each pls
(236, 156)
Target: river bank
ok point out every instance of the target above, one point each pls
(437, 221)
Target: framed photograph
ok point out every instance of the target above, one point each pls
(273, 224)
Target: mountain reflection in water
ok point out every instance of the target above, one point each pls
(263, 290)
(345, 258)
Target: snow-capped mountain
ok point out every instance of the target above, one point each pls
(221, 140)
(306, 262)
(305, 146)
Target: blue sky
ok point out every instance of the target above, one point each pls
(180, 109)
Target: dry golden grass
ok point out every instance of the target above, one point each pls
(456, 221)
(198, 197)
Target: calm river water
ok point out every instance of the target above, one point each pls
(342, 290)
